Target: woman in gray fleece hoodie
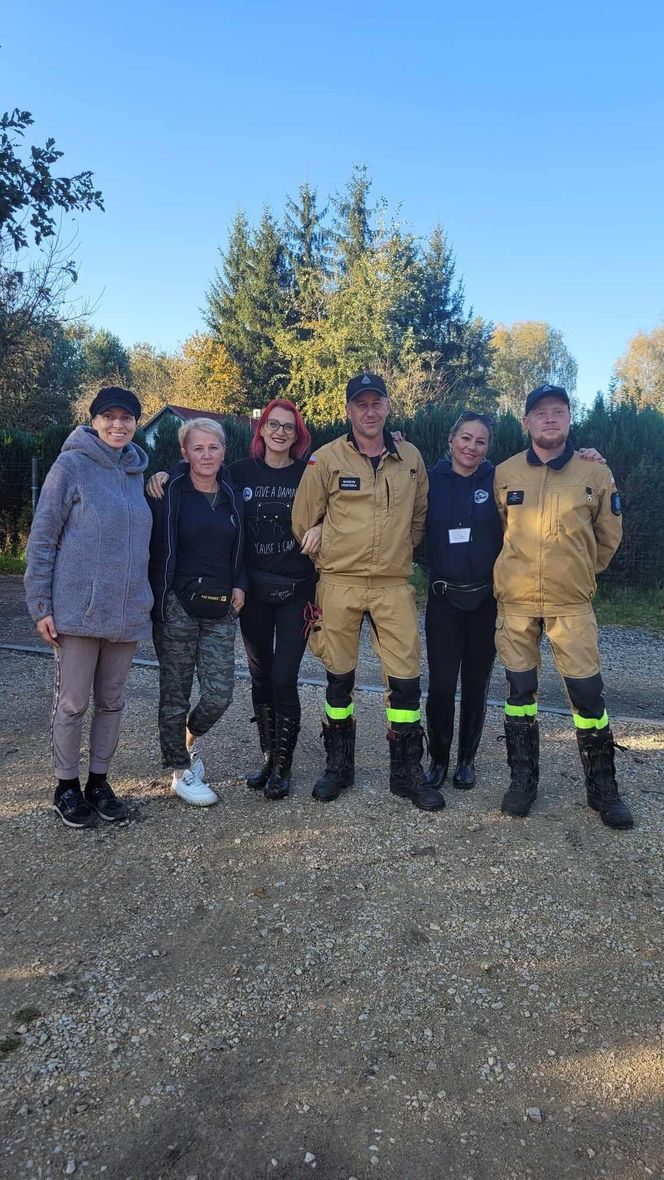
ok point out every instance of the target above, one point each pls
(87, 590)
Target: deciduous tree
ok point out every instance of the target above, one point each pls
(525, 355)
(639, 372)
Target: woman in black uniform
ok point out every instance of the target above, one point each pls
(464, 537)
(282, 580)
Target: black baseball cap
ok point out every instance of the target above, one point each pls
(113, 397)
(365, 383)
(545, 391)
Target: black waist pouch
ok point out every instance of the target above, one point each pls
(463, 597)
(204, 598)
(273, 588)
(277, 589)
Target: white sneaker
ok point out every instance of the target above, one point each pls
(193, 790)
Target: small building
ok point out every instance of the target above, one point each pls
(183, 414)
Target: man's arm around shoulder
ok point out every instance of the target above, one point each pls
(310, 503)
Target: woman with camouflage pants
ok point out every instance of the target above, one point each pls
(198, 581)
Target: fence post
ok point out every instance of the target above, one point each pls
(35, 484)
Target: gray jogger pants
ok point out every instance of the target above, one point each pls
(84, 666)
(182, 645)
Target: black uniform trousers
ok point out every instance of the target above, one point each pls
(457, 641)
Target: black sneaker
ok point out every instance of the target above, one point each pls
(72, 808)
(105, 802)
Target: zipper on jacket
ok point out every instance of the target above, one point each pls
(238, 525)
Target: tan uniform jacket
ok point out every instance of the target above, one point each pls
(562, 527)
(371, 521)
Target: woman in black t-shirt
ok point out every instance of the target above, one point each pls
(281, 580)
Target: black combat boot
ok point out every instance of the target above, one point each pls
(285, 740)
(471, 724)
(339, 773)
(406, 775)
(265, 721)
(596, 747)
(439, 758)
(522, 736)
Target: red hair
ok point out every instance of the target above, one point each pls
(300, 444)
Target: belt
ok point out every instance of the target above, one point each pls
(439, 587)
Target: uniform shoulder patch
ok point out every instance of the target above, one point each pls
(616, 505)
(311, 461)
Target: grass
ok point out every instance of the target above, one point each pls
(11, 565)
(628, 606)
(420, 581)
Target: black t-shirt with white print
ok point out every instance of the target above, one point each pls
(268, 494)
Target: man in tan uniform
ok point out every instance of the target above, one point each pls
(562, 521)
(370, 496)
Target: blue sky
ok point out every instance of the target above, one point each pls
(533, 133)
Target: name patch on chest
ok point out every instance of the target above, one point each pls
(349, 483)
(515, 498)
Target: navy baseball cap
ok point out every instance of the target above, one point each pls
(545, 391)
(365, 383)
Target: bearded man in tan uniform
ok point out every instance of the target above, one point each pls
(563, 524)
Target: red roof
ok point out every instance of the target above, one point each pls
(186, 415)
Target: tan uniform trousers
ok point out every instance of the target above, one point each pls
(573, 640)
(389, 605)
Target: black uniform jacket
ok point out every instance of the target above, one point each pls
(462, 502)
(163, 546)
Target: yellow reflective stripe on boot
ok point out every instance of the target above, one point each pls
(403, 716)
(520, 710)
(591, 722)
(339, 714)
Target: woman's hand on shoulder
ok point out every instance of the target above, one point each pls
(311, 541)
(47, 630)
(237, 599)
(591, 455)
(156, 484)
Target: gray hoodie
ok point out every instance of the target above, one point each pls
(87, 556)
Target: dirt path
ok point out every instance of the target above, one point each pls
(358, 990)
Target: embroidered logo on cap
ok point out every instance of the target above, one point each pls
(366, 380)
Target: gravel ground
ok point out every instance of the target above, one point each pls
(359, 990)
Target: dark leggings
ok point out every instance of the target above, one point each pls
(274, 640)
(458, 640)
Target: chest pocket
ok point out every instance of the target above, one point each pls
(568, 509)
(400, 487)
(346, 492)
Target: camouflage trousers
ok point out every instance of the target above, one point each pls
(184, 644)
